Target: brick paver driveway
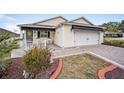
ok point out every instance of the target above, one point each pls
(110, 52)
(115, 54)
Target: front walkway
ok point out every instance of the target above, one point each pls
(114, 54)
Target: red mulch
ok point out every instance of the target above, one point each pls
(117, 73)
(46, 74)
(15, 71)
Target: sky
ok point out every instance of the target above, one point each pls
(10, 21)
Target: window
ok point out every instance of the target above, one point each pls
(43, 34)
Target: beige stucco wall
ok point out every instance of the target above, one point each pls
(101, 38)
(81, 21)
(59, 36)
(68, 36)
(53, 22)
(64, 36)
(52, 35)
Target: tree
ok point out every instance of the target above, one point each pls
(111, 26)
(6, 45)
(121, 26)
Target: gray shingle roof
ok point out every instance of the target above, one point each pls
(80, 24)
(36, 26)
(3, 31)
(83, 19)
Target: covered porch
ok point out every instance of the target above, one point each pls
(40, 36)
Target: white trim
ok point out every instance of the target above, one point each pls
(25, 42)
(21, 34)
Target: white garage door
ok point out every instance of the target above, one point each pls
(86, 38)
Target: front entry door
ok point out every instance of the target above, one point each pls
(29, 36)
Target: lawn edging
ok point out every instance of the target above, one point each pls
(58, 70)
(102, 72)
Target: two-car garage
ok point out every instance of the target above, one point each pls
(69, 35)
(86, 37)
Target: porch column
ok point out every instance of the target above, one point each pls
(34, 37)
(21, 34)
(25, 41)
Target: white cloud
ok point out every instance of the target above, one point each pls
(9, 23)
(7, 18)
(1, 16)
(12, 27)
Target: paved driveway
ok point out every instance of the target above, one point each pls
(114, 54)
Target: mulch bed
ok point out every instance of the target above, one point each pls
(46, 74)
(15, 71)
(117, 73)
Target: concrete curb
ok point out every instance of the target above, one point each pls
(58, 69)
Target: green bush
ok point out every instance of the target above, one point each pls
(36, 60)
(18, 39)
(3, 67)
(118, 43)
(6, 46)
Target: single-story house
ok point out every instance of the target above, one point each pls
(62, 32)
(113, 34)
(5, 31)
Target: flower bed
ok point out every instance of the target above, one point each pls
(16, 70)
(117, 73)
(111, 72)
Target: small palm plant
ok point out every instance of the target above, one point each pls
(36, 60)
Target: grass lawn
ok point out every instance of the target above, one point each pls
(81, 67)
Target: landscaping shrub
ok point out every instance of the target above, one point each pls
(36, 60)
(118, 43)
(3, 67)
(18, 39)
(6, 46)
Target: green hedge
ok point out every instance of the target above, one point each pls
(118, 43)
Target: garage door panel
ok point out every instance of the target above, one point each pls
(86, 38)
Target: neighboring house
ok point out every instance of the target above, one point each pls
(113, 34)
(12, 34)
(62, 32)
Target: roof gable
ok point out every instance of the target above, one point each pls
(4, 31)
(52, 21)
(82, 20)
